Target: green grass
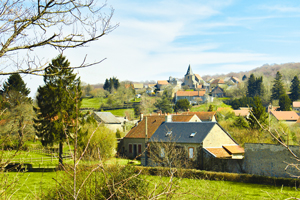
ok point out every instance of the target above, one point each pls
(204, 107)
(92, 102)
(119, 112)
(205, 189)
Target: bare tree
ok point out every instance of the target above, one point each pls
(62, 24)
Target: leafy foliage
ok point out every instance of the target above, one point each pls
(182, 105)
(111, 84)
(242, 102)
(255, 86)
(164, 104)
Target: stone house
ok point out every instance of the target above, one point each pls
(207, 145)
(193, 96)
(296, 105)
(217, 82)
(133, 144)
(217, 92)
(192, 80)
(109, 120)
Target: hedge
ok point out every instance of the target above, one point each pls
(209, 175)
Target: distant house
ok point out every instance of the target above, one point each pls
(193, 96)
(286, 116)
(206, 144)
(296, 105)
(109, 120)
(133, 144)
(217, 82)
(161, 84)
(138, 86)
(243, 113)
(217, 92)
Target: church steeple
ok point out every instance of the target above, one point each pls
(189, 71)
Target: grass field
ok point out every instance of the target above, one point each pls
(92, 102)
(32, 184)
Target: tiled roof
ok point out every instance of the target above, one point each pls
(198, 76)
(106, 117)
(296, 104)
(218, 81)
(153, 122)
(218, 152)
(190, 93)
(236, 79)
(181, 132)
(138, 85)
(162, 82)
(234, 149)
(285, 115)
(242, 113)
(203, 116)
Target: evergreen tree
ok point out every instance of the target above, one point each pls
(255, 86)
(295, 89)
(111, 84)
(244, 78)
(15, 83)
(284, 102)
(58, 104)
(277, 89)
(182, 105)
(106, 85)
(259, 111)
(165, 103)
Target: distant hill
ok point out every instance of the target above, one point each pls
(288, 70)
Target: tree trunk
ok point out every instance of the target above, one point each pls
(60, 152)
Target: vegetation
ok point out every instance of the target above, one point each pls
(278, 88)
(295, 89)
(58, 104)
(284, 102)
(255, 86)
(165, 103)
(182, 105)
(111, 84)
(259, 112)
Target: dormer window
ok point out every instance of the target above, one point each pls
(169, 133)
(193, 134)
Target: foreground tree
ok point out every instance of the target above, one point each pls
(15, 83)
(295, 89)
(58, 104)
(277, 89)
(62, 24)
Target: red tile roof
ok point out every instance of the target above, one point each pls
(204, 116)
(218, 81)
(242, 113)
(285, 115)
(153, 122)
(162, 82)
(296, 104)
(218, 152)
(234, 149)
(190, 93)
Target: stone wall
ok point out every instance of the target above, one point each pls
(270, 160)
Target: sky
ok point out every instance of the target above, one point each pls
(161, 38)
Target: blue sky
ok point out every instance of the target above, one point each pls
(157, 39)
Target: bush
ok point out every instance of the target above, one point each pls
(107, 182)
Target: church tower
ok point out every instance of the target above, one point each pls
(189, 78)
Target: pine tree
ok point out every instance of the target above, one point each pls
(106, 85)
(295, 89)
(259, 111)
(58, 104)
(277, 89)
(255, 86)
(15, 83)
(244, 78)
(182, 104)
(284, 102)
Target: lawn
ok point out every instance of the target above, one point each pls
(92, 102)
(32, 184)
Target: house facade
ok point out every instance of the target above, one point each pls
(204, 143)
(193, 97)
(135, 141)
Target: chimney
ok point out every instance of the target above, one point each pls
(141, 116)
(168, 118)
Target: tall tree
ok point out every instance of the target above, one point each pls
(295, 89)
(58, 104)
(284, 102)
(182, 105)
(259, 111)
(15, 83)
(277, 89)
(111, 84)
(255, 86)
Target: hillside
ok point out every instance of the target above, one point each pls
(288, 70)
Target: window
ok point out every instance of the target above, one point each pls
(130, 148)
(191, 152)
(169, 133)
(139, 148)
(193, 134)
(162, 152)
